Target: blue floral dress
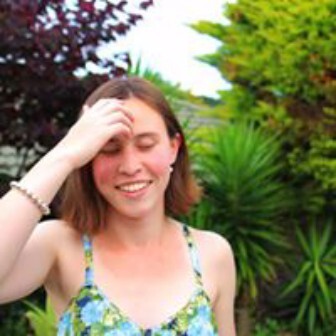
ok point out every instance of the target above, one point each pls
(90, 312)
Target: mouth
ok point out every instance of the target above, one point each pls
(133, 187)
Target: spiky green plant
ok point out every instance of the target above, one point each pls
(240, 170)
(42, 321)
(314, 282)
(239, 166)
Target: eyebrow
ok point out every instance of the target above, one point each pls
(146, 134)
(153, 135)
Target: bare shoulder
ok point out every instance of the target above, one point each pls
(220, 277)
(216, 256)
(53, 235)
(55, 230)
(65, 243)
(217, 260)
(213, 245)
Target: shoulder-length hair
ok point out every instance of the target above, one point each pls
(83, 207)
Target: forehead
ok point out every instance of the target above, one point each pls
(145, 117)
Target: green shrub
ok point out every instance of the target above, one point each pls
(42, 321)
(269, 327)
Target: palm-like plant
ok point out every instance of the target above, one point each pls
(239, 167)
(42, 321)
(314, 281)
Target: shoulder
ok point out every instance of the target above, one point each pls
(65, 243)
(217, 261)
(54, 233)
(55, 228)
(213, 246)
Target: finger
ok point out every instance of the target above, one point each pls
(96, 107)
(105, 101)
(119, 130)
(111, 105)
(114, 107)
(118, 117)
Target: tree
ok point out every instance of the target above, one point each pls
(44, 48)
(280, 57)
(239, 167)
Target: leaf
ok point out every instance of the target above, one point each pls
(215, 30)
(43, 322)
(323, 242)
(303, 242)
(86, 6)
(298, 281)
(304, 305)
(311, 319)
(330, 270)
(324, 288)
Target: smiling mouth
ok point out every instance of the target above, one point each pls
(133, 187)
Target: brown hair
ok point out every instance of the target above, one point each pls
(83, 207)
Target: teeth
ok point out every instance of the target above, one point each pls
(133, 187)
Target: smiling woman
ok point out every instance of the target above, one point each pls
(117, 262)
(154, 138)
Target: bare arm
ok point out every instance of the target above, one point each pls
(26, 259)
(19, 215)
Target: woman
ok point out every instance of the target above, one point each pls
(117, 263)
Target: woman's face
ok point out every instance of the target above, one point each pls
(132, 173)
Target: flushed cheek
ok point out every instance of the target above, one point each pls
(158, 163)
(155, 163)
(102, 170)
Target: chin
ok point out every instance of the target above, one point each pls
(135, 212)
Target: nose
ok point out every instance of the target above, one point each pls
(130, 163)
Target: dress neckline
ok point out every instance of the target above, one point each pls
(192, 299)
(92, 285)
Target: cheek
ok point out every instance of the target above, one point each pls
(102, 170)
(159, 161)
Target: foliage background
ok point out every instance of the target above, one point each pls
(265, 152)
(279, 57)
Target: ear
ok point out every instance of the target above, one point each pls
(175, 143)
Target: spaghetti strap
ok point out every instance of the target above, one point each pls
(195, 261)
(92, 312)
(87, 244)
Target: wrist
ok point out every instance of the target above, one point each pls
(60, 158)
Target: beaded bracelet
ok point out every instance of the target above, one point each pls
(43, 207)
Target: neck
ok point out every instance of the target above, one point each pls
(141, 232)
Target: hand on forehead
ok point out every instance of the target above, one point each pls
(109, 105)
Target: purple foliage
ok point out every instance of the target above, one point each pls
(42, 45)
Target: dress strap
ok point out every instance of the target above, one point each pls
(87, 244)
(193, 255)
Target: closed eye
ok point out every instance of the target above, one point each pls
(146, 146)
(145, 141)
(111, 148)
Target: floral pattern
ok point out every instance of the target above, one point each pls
(91, 313)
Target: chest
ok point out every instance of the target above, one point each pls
(146, 279)
(147, 287)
